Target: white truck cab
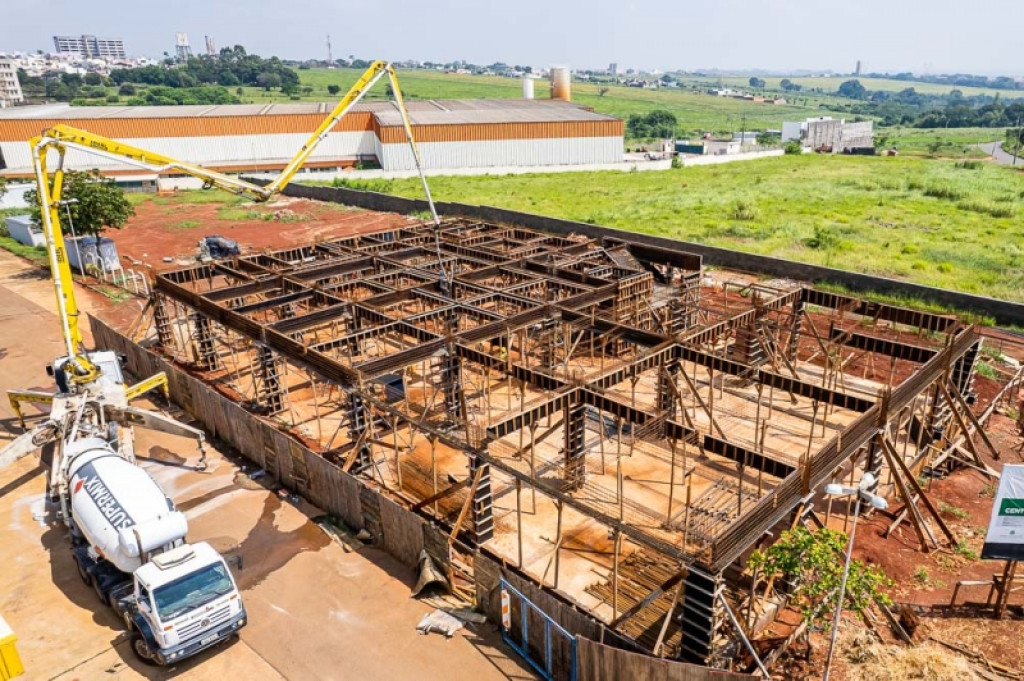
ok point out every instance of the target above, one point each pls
(185, 600)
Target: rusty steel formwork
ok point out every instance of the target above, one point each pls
(616, 423)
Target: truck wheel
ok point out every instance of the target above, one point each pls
(141, 648)
(82, 572)
(97, 586)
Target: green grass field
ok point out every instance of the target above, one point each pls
(952, 142)
(696, 112)
(926, 221)
(832, 83)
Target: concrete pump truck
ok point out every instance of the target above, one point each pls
(128, 541)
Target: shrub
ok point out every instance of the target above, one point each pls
(824, 239)
(743, 210)
(949, 509)
(986, 370)
(813, 563)
(793, 148)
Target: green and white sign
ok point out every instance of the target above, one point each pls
(1005, 538)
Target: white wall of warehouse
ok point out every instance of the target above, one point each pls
(206, 150)
(248, 150)
(487, 153)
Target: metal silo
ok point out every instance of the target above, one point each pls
(527, 87)
(561, 83)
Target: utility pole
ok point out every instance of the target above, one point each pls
(1016, 143)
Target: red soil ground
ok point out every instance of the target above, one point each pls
(170, 227)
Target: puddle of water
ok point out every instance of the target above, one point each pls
(267, 549)
(203, 498)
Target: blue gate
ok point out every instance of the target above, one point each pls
(544, 666)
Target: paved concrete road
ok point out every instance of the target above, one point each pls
(995, 150)
(318, 609)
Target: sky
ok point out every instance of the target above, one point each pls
(924, 36)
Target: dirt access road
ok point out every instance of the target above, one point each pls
(317, 609)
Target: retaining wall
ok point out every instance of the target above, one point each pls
(599, 662)
(1004, 312)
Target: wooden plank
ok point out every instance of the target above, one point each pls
(441, 495)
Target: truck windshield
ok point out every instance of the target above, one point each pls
(192, 591)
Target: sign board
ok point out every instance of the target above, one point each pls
(1005, 538)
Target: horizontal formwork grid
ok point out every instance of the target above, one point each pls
(570, 320)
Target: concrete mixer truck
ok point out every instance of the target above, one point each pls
(129, 544)
(127, 538)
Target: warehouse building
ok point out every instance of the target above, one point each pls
(451, 134)
(829, 134)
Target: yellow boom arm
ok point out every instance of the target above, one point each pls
(60, 138)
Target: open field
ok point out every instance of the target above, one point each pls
(920, 220)
(832, 83)
(696, 112)
(953, 142)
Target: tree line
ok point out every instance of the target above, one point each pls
(233, 67)
(916, 109)
(957, 80)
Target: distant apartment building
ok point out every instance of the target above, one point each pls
(90, 46)
(10, 88)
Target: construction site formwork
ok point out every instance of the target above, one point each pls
(609, 419)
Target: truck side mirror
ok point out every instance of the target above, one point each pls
(49, 370)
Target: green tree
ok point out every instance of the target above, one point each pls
(268, 80)
(93, 79)
(657, 123)
(333, 89)
(126, 89)
(3, 187)
(853, 89)
(101, 203)
(307, 90)
(757, 83)
(811, 564)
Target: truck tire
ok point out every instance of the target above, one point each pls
(82, 571)
(101, 593)
(141, 648)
